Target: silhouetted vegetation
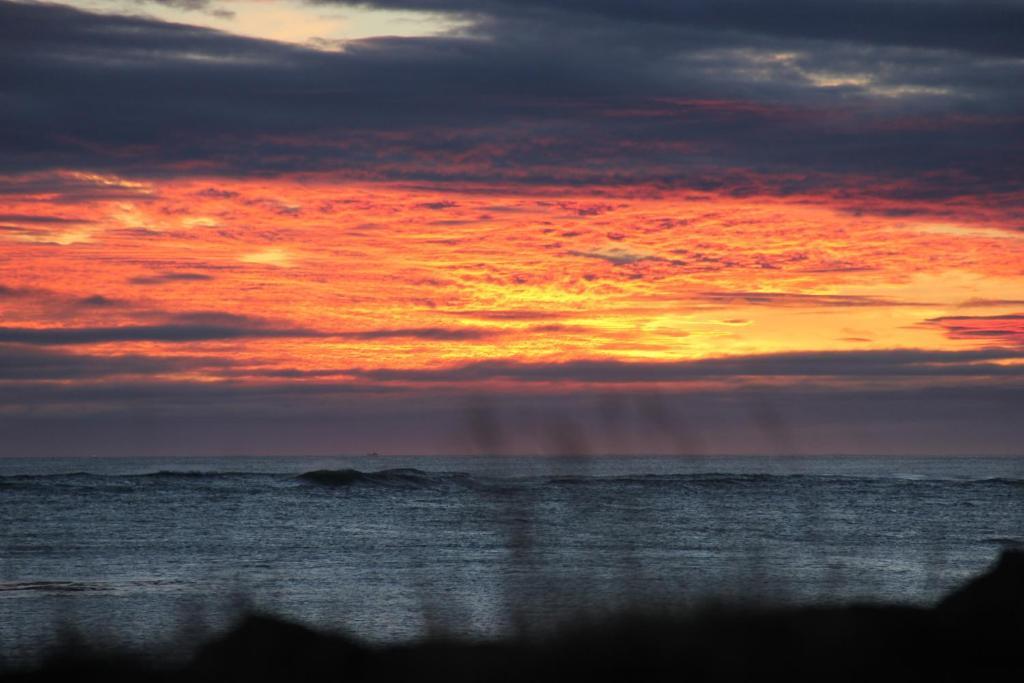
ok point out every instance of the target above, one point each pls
(974, 634)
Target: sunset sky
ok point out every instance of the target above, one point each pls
(511, 226)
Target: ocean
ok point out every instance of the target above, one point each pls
(141, 552)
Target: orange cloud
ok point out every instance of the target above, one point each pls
(1006, 330)
(405, 278)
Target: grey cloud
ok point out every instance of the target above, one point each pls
(57, 300)
(33, 219)
(58, 187)
(619, 257)
(12, 292)
(984, 303)
(162, 278)
(259, 397)
(613, 102)
(97, 301)
(221, 318)
(985, 26)
(439, 206)
(896, 363)
(1003, 330)
(202, 326)
(168, 418)
(1008, 316)
(34, 365)
(171, 333)
(190, 5)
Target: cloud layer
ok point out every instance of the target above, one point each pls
(805, 213)
(734, 95)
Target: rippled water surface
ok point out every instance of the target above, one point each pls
(390, 548)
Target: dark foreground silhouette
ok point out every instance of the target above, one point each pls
(974, 634)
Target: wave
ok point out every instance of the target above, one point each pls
(52, 586)
(1008, 481)
(196, 474)
(780, 477)
(410, 478)
(648, 479)
(414, 478)
(160, 474)
(89, 481)
(1005, 541)
(400, 477)
(726, 479)
(49, 586)
(52, 475)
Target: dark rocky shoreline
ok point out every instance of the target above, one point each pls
(975, 634)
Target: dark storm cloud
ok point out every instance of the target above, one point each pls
(688, 94)
(970, 25)
(896, 363)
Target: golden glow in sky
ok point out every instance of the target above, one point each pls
(319, 25)
(386, 276)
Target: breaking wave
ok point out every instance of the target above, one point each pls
(402, 477)
(412, 478)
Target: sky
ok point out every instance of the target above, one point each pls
(491, 226)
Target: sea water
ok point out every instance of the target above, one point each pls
(142, 551)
